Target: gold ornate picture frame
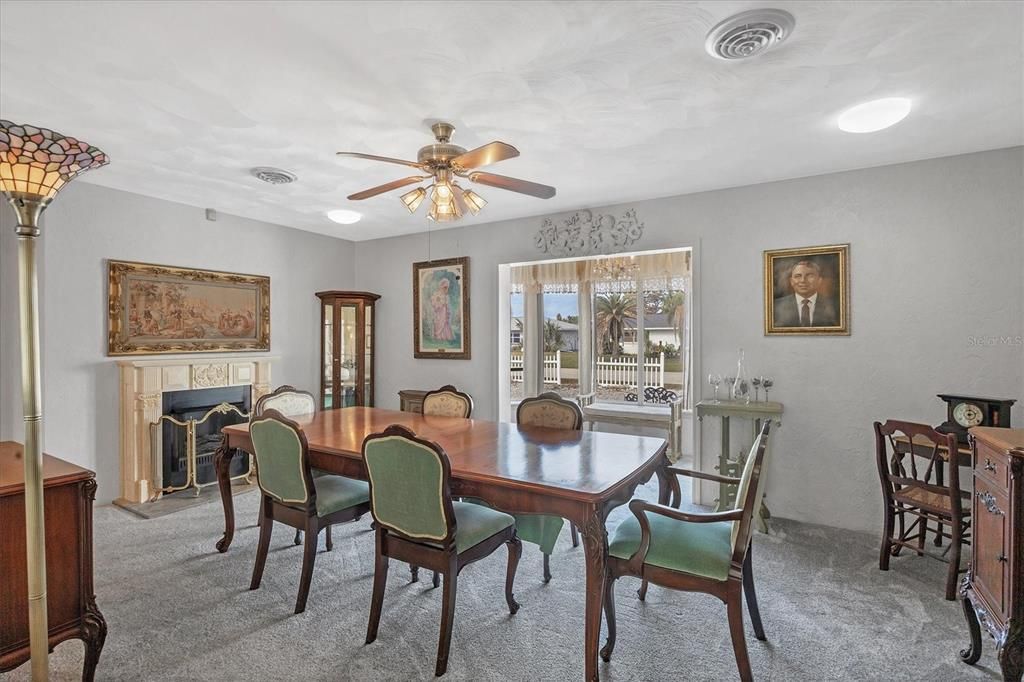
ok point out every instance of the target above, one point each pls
(807, 291)
(161, 309)
(440, 309)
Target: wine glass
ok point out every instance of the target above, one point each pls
(729, 381)
(756, 381)
(715, 380)
(767, 382)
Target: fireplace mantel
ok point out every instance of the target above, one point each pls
(143, 383)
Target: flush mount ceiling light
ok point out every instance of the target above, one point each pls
(443, 162)
(873, 116)
(749, 34)
(344, 217)
(275, 176)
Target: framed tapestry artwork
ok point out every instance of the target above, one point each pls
(807, 291)
(440, 309)
(159, 309)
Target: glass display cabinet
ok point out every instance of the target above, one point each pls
(346, 348)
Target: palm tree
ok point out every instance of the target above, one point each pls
(552, 337)
(611, 313)
(673, 307)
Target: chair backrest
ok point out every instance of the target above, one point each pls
(908, 453)
(750, 491)
(550, 410)
(409, 485)
(288, 400)
(447, 401)
(282, 459)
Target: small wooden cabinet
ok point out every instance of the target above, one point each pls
(993, 589)
(411, 400)
(346, 348)
(68, 493)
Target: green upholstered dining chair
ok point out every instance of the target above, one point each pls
(418, 522)
(290, 494)
(447, 401)
(548, 410)
(695, 552)
(292, 403)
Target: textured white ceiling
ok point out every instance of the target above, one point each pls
(607, 101)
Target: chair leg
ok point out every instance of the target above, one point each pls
(575, 532)
(887, 528)
(547, 568)
(308, 559)
(751, 595)
(380, 579)
(901, 517)
(734, 606)
(609, 615)
(954, 562)
(642, 592)
(298, 537)
(266, 529)
(922, 531)
(414, 573)
(515, 550)
(330, 541)
(447, 617)
(436, 580)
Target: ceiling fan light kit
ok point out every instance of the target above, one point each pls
(444, 162)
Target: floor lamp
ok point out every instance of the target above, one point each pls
(34, 164)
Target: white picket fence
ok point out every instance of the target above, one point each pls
(621, 370)
(552, 367)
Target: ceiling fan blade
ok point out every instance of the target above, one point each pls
(534, 189)
(381, 189)
(492, 152)
(386, 159)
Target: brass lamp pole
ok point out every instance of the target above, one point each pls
(34, 164)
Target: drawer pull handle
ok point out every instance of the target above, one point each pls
(1002, 557)
(990, 503)
(989, 466)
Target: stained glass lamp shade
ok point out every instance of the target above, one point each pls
(36, 162)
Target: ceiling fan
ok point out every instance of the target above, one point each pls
(444, 162)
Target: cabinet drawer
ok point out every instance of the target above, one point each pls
(992, 465)
(989, 546)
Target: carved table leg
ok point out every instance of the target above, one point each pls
(595, 545)
(972, 653)
(222, 463)
(94, 634)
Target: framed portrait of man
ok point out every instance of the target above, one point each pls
(440, 323)
(807, 291)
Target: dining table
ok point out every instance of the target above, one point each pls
(578, 475)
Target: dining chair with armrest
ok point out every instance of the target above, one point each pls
(695, 552)
(418, 522)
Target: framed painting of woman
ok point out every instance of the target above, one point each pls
(440, 316)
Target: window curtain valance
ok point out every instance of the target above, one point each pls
(668, 270)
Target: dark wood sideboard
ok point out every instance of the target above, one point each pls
(993, 589)
(411, 400)
(68, 495)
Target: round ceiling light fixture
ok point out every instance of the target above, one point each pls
(275, 176)
(344, 216)
(875, 115)
(749, 34)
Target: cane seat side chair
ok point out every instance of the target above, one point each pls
(548, 410)
(447, 401)
(290, 495)
(418, 522)
(292, 403)
(910, 460)
(695, 552)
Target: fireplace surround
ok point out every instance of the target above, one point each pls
(143, 384)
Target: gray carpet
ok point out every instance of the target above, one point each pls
(178, 610)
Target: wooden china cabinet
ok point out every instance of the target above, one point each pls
(346, 348)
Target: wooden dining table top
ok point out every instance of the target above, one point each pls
(584, 465)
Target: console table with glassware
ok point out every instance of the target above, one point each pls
(725, 410)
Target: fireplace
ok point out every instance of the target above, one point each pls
(187, 436)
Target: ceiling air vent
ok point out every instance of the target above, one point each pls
(748, 34)
(275, 176)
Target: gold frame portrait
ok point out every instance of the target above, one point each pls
(833, 262)
(461, 266)
(122, 340)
